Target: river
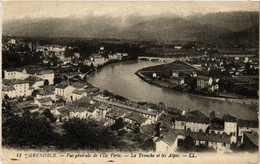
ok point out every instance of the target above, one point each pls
(120, 78)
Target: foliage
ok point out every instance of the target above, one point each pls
(83, 134)
(119, 123)
(28, 131)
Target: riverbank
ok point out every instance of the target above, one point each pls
(252, 102)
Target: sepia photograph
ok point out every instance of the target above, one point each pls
(129, 82)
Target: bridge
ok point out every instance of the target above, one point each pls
(166, 60)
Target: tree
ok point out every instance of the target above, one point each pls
(119, 123)
(83, 134)
(27, 131)
(49, 115)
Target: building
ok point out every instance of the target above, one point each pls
(175, 139)
(43, 102)
(46, 91)
(246, 126)
(16, 88)
(97, 60)
(176, 80)
(15, 74)
(204, 82)
(12, 41)
(35, 82)
(76, 112)
(65, 91)
(194, 121)
(78, 94)
(47, 76)
(230, 125)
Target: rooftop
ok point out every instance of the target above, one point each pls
(253, 137)
(44, 100)
(200, 77)
(247, 123)
(229, 118)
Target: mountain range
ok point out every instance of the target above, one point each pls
(221, 25)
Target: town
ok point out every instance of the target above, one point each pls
(49, 82)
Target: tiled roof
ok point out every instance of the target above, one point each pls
(124, 106)
(14, 81)
(192, 118)
(73, 108)
(43, 72)
(63, 112)
(8, 88)
(247, 123)
(62, 86)
(79, 91)
(229, 118)
(214, 126)
(88, 90)
(200, 77)
(44, 100)
(148, 129)
(170, 137)
(253, 137)
(223, 138)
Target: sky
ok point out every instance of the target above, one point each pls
(17, 10)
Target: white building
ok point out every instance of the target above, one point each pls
(14, 74)
(78, 94)
(64, 91)
(230, 125)
(16, 88)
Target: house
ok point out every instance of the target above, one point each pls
(78, 94)
(62, 114)
(175, 74)
(47, 76)
(203, 81)
(230, 125)
(65, 91)
(194, 121)
(43, 101)
(176, 80)
(102, 110)
(76, 112)
(16, 88)
(175, 139)
(246, 126)
(12, 41)
(15, 74)
(35, 81)
(169, 143)
(135, 118)
(216, 128)
(46, 91)
(97, 60)
(113, 57)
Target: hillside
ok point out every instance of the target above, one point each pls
(160, 27)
